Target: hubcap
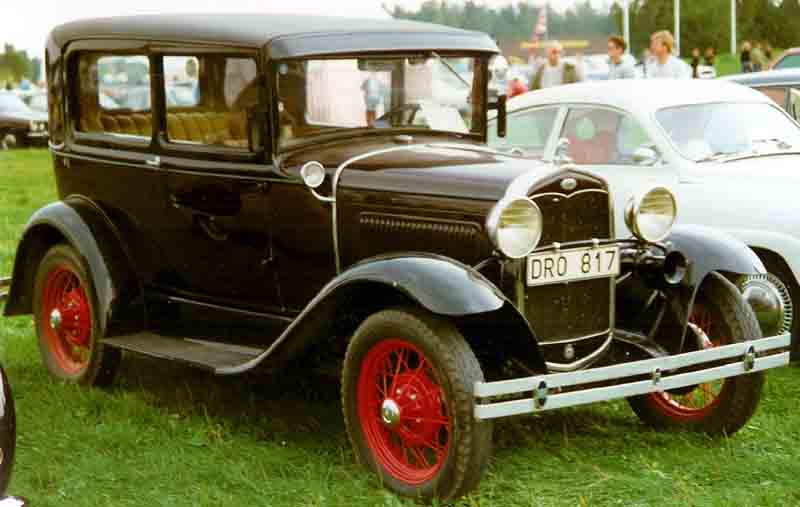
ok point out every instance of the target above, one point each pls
(390, 413)
(55, 320)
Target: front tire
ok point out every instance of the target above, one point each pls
(65, 313)
(407, 387)
(719, 407)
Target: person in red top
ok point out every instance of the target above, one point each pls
(516, 87)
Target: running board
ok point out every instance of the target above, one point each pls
(212, 356)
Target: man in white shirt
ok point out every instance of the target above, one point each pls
(555, 71)
(665, 64)
(619, 67)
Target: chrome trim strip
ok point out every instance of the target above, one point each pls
(580, 363)
(55, 147)
(623, 370)
(586, 396)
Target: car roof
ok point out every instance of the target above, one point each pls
(284, 35)
(767, 77)
(640, 95)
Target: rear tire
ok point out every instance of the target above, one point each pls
(407, 397)
(727, 404)
(65, 313)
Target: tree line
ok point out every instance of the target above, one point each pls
(15, 65)
(704, 23)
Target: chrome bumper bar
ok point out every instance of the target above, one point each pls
(546, 390)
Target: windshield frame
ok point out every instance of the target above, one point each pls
(678, 152)
(480, 74)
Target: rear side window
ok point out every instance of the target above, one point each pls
(207, 98)
(113, 95)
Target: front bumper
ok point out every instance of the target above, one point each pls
(560, 390)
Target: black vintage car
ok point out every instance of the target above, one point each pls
(322, 185)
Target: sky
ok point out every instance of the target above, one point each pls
(27, 22)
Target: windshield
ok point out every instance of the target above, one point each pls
(10, 103)
(426, 93)
(709, 131)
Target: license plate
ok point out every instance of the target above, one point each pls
(573, 265)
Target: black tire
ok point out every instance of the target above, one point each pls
(453, 365)
(70, 352)
(738, 397)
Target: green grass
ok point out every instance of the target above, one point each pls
(169, 435)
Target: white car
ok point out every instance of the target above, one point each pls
(729, 154)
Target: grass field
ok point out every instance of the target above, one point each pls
(167, 435)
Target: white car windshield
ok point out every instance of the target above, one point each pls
(341, 96)
(704, 132)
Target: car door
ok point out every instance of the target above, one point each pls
(529, 131)
(616, 146)
(216, 216)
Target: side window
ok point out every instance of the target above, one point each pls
(528, 130)
(207, 99)
(603, 137)
(114, 94)
(776, 93)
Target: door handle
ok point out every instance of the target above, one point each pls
(154, 162)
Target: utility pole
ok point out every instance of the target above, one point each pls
(734, 43)
(626, 23)
(677, 28)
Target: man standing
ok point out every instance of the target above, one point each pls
(555, 71)
(666, 65)
(619, 67)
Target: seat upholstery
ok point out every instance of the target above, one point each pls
(199, 127)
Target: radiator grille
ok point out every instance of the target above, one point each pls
(572, 310)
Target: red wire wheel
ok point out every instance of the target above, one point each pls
(696, 402)
(66, 313)
(407, 396)
(719, 317)
(403, 411)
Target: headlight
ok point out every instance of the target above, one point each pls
(650, 215)
(32, 126)
(515, 226)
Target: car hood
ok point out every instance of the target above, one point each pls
(768, 169)
(430, 167)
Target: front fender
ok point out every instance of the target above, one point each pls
(438, 284)
(81, 224)
(709, 249)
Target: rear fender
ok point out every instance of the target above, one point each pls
(84, 226)
(438, 284)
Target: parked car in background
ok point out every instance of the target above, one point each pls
(789, 59)
(19, 124)
(729, 153)
(450, 284)
(782, 86)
